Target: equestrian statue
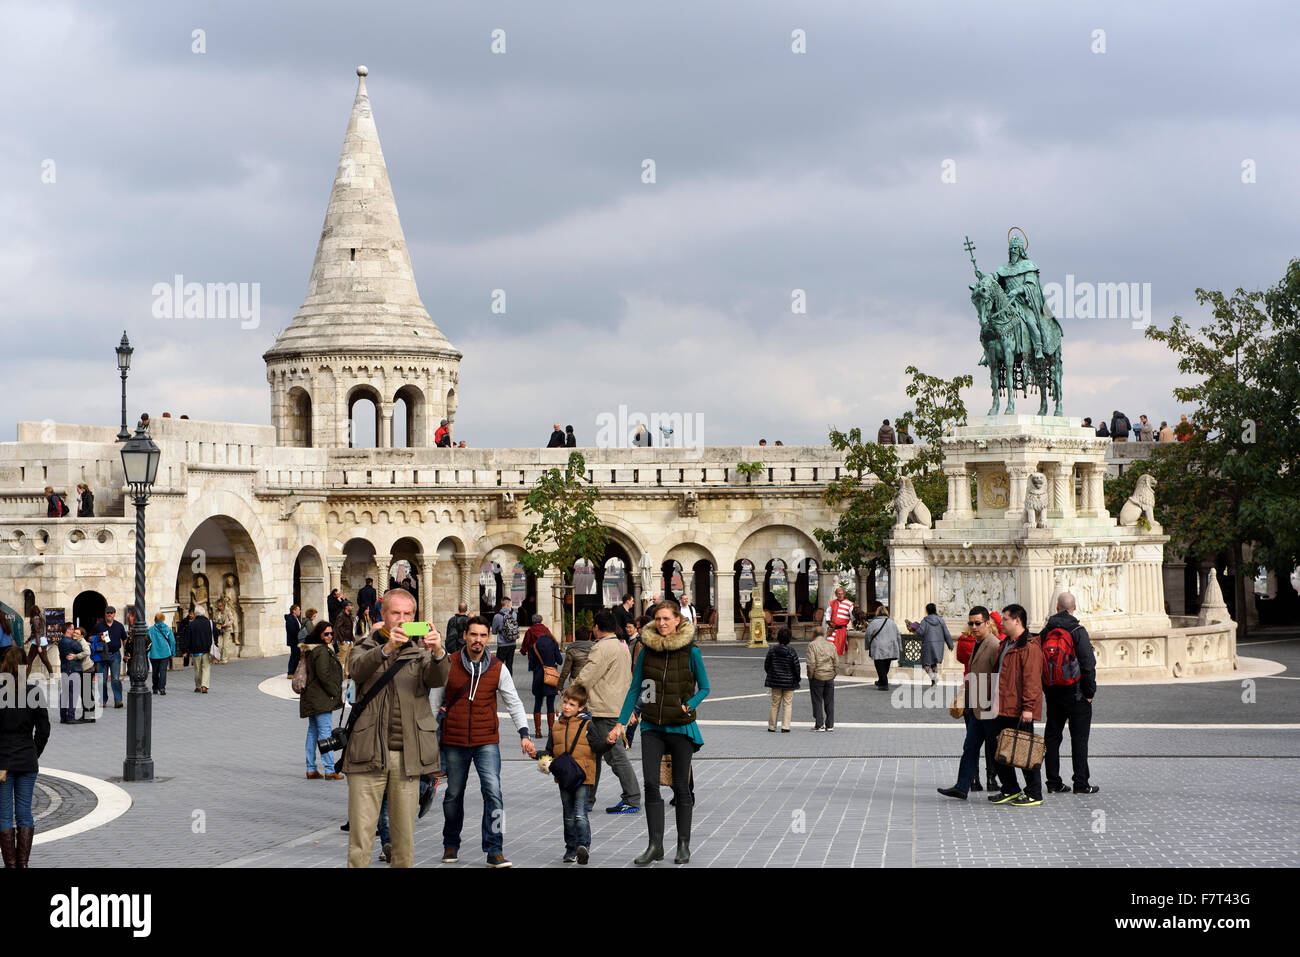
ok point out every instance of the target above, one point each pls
(1020, 336)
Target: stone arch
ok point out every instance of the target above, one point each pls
(731, 550)
(263, 584)
(416, 415)
(310, 580)
(363, 392)
(299, 418)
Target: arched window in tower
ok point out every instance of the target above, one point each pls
(299, 418)
(409, 418)
(363, 418)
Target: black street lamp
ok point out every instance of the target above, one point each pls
(124, 351)
(140, 463)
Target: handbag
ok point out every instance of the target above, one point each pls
(1020, 749)
(565, 768)
(550, 676)
(957, 710)
(666, 771)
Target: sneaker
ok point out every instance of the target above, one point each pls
(953, 793)
(1024, 800)
(498, 860)
(1086, 789)
(771, 730)
(584, 855)
(622, 807)
(785, 730)
(830, 729)
(1057, 788)
(569, 858)
(449, 855)
(997, 797)
(819, 729)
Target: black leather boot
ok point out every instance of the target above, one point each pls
(24, 845)
(683, 834)
(9, 847)
(654, 821)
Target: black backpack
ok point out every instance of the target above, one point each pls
(567, 771)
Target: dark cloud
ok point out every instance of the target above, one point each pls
(522, 172)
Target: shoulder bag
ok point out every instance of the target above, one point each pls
(550, 676)
(339, 740)
(567, 771)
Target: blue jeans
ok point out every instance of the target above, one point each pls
(969, 769)
(16, 800)
(486, 759)
(577, 827)
(381, 828)
(111, 666)
(319, 726)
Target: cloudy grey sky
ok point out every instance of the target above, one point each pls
(776, 171)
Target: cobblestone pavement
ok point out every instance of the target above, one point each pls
(231, 788)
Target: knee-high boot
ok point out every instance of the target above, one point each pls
(654, 821)
(537, 723)
(550, 721)
(9, 848)
(24, 848)
(684, 833)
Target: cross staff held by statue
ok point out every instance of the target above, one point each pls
(970, 248)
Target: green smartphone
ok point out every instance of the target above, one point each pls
(416, 629)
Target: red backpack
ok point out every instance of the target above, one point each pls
(1060, 663)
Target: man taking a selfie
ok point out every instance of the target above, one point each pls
(394, 740)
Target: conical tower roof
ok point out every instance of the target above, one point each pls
(362, 296)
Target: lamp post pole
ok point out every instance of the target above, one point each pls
(140, 464)
(139, 716)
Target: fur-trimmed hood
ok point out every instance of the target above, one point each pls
(681, 638)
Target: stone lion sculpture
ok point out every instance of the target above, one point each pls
(1141, 504)
(1036, 500)
(908, 505)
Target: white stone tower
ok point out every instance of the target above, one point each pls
(362, 331)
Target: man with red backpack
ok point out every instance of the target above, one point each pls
(1069, 684)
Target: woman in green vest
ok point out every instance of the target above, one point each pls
(668, 684)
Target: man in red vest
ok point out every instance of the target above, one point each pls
(838, 617)
(471, 735)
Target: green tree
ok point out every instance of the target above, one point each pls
(1233, 482)
(567, 528)
(872, 475)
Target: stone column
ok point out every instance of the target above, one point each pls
(465, 564)
(384, 439)
(335, 565)
(426, 587)
(383, 563)
(725, 581)
(1019, 484)
(828, 582)
(1060, 502)
(1094, 500)
(551, 611)
(958, 492)
(314, 595)
(1036, 582)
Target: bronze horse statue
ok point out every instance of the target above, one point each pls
(1008, 351)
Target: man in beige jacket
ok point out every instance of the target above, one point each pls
(607, 675)
(395, 739)
(822, 656)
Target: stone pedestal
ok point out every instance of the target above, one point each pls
(990, 555)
